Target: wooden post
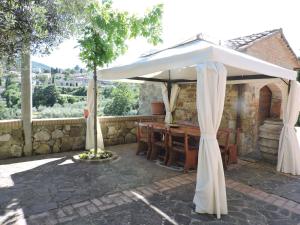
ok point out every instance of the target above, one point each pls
(95, 112)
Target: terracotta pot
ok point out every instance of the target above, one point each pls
(86, 113)
(158, 108)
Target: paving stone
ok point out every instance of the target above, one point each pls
(105, 207)
(95, 191)
(92, 209)
(69, 210)
(82, 211)
(96, 201)
(77, 205)
(68, 218)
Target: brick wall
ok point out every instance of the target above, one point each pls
(273, 49)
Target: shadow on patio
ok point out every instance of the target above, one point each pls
(37, 184)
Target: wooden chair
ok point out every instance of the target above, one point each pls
(192, 148)
(223, 139)
(180, 143)
(159, 141)
(143, 138)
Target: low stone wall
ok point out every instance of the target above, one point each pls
(121, 130)
(58, 135)
(11, 138)
(61, 135)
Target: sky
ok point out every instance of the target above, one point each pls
(219, 19)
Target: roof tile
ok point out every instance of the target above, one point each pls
(242, 42)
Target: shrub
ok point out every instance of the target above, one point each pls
(124, 99)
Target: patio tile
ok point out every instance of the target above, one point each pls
(97, 194)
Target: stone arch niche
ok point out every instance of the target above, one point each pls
(269, 114)
(270, 101)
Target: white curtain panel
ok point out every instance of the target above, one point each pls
(170, 105)
(89, 144)
(210, 194)
(289, 149)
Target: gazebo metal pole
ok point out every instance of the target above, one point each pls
(169, 86)
(289, 86)
(95, 111)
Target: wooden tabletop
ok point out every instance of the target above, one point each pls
(190, 130)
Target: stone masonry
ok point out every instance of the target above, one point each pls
(62, 135)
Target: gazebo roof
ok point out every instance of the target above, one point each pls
(178, 63)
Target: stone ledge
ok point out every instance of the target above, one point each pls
(58, 121)
(129, 118)
(11, 123)
(17, 123)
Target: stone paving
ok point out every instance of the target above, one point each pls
(133, 190)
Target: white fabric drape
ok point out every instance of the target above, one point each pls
(89, 144)
(289, 149)
(170, 105)
(210, 194)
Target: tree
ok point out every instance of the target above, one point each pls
(81, 91)
(47, 96)
(12, 93)
(122, 101)
(35, 27)
(105, 35)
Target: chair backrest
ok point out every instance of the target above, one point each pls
(176, 135)
(158, 133)
(143, 130)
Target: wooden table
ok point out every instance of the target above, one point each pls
(228, 151)
(187, 131)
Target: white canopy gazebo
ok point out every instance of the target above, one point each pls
(210, 65)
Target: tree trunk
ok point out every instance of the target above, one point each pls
(26, 104)
(95, 112)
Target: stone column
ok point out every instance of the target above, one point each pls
(26, 91)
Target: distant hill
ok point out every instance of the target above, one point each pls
(36, 66)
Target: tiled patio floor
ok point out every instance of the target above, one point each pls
(132, 190)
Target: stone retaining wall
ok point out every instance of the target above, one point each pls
(60, 135)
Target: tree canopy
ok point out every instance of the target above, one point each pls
(107, 30)
(40, 24)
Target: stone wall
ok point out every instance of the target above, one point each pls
(149, 92)
(61, 135)
(121, 130)
(243, 103)
(186, 106)
(58, 135)
(11, 138)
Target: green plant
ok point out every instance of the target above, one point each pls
(61, 111)
(105, 35)
(45, 95)
(123, 100)
(101, 154)
(81, 91)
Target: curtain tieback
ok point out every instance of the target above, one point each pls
(208, 136)
(289, 126)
